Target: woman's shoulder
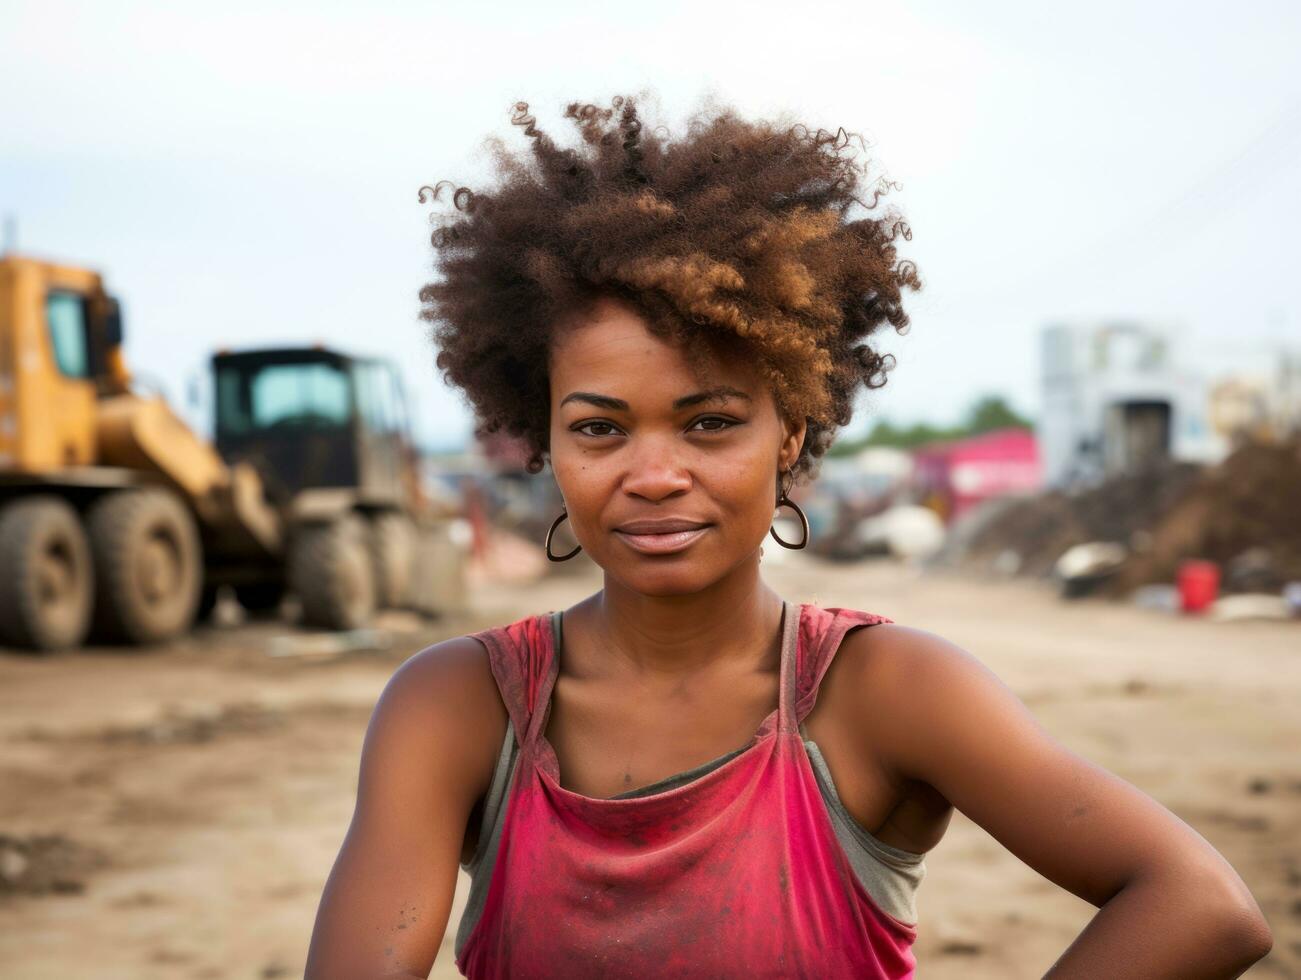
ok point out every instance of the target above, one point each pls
(467, 674)
(884, 675)
(466, 661)
(894, 685)
(446, 692)
(899, 663)
(458, 661)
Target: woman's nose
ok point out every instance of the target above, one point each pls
(654, 474)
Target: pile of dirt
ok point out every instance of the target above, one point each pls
(1244, 514)
(1028, 535)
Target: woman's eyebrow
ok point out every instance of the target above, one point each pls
(619, 405)
(713, 394)
(600, 401)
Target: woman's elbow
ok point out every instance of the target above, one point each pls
(1246, 932)
(1237, 923)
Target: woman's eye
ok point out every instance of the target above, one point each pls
(712, 424)
(598, 428)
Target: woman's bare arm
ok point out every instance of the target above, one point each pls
(1170, 905)
(427, 758)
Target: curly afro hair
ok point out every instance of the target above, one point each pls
(735, 237)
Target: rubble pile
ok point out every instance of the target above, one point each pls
(1244, 515)
(1027, 535)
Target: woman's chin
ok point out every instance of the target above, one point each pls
(664, 581)
(664, 577)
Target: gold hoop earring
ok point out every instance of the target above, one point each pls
(551, 532)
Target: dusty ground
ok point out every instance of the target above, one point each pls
(174, 813)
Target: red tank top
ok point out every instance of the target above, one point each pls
(736, 873)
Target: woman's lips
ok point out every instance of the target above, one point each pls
(661, 542)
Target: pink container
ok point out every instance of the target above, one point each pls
(1198, 583)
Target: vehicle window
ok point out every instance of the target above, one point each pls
(311, 394)
(307, 394)
(376, 396)
(65, 313)
(232, 401)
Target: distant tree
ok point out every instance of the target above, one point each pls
(987, 413)
(993, 412)
(884, 433)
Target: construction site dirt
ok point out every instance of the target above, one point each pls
(173, 811)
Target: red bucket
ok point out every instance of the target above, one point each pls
(1199, 584)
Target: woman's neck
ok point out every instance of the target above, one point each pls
(736, 617)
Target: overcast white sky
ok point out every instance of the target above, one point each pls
(246, 173)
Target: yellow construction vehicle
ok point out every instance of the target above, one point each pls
(116, 517)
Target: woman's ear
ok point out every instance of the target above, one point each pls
(792, 442)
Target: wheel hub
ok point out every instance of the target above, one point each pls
(158, 568)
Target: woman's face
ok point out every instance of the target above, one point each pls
(669, 475)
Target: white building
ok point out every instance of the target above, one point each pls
(1115, 397)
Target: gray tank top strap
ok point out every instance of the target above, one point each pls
(481, 863)
(889, 874)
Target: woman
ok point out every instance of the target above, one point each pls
(684, 774)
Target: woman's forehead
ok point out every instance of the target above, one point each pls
(613, 352)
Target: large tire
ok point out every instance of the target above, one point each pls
(148, 565)
(332, 572)
(260, 597)
(393, 538)
(46, 574)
